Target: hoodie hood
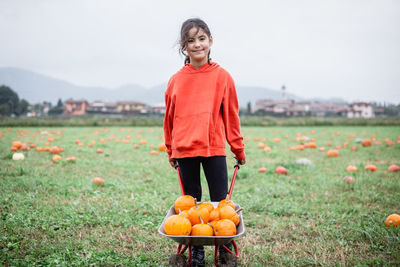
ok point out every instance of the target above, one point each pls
(189, 68)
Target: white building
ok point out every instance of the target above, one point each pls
(360, 110)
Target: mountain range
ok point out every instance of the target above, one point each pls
(36, 88)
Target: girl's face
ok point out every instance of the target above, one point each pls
(198, 46)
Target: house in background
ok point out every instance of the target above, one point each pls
(328, 109)
(102, 107)
(360, 110)
(75, 107)
(132, 107)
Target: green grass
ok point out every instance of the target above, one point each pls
(51, 214)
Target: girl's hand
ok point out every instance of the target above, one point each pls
(241, 161)
(172, 162)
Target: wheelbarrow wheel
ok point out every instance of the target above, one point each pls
(177, 260)
(228, 260)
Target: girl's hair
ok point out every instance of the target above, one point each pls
(186, 27)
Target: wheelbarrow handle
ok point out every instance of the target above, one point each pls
(237, 167)
(176, 165)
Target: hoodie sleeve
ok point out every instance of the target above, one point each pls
(231, 120)
(168, 119)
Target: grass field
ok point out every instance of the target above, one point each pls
(52, 214)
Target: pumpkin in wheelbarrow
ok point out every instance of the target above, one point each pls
(202, 229)
(184, 203)
(198, 214)
(224, 227)
(226, 212)
(226, 201)
(177, 225)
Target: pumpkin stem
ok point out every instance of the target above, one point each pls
(201, 220)
(179, 211)
(239, 210)
(195, 202)
(228, 197)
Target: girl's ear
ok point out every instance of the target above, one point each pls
(211, 40)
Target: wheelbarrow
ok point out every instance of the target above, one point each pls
(186, 242)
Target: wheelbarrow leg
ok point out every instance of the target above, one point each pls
(179, 259)
(228, 250)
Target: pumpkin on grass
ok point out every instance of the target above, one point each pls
(348, 180)
(98, 181)
(393, 168)
(393, 220)
(371, 168)
(332, 153)
(351, 168)
(366, 142)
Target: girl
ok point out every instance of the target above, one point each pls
(201, 115)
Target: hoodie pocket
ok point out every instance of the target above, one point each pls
(193, 131)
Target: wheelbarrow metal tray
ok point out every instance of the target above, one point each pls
(202, 240)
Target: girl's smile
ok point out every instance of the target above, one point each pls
(198, 47)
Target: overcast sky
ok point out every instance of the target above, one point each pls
(337, 48)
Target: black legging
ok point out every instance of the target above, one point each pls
(214, 170)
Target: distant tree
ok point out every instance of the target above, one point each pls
(8, 100)
(60, 103)
(58, 109)
(248, 108)
(22, 107)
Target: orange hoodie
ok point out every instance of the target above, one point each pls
(202, 113)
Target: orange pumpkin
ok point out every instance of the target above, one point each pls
(366, 142)
(280, 170)
(17, 144)
(184, 214)
(98, 181)
(202, 229)
(56, 158)
(224, 227)
(226, 212)
(262, 169)
(393, 220)
(54, 150)
(177, 225)
(267, 149)
(332, 153)
(349, 180)
(162, 147)
(371, 168)
(212, 223)
(226, 201)
(70, 159)
(198, 215)
(354, 148)
(214, 215)
(208, 205)
(393, 168)
(351, 168)
(184, 203)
